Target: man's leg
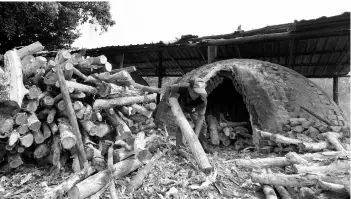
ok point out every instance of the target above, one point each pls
(180, 144)
(203, 140)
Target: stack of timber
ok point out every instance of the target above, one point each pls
(65, 108)
(327, 170)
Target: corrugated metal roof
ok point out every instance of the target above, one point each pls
(314, 48)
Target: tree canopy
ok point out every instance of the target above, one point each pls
(54, 24)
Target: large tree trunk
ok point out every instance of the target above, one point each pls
(94, 183)
(12, 89)
(30, 49)
(68, 139)
(334, 167)
(332, 137)
(190, 137)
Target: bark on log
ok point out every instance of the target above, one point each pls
(142, 110)
(137, 180)
(33, 122)
(334, 167)
(30, 49)
(72, 116)
(21, 118)
(38, 137)
(213, 126)
(122, 101)
(68, 139)
(190, 137)
(65, 186)
(95, 182)
(332, 137)
(129, 69)
(77, 87)
(12, 90)
(14, 161)
(41, 151)
(147, 89)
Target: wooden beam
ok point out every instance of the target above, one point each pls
(181, 70)
(320, 56)
(335, 89)
(160, 75)
(211, 54)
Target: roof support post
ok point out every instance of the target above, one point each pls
(291, 49)
(160, 75)
(211, 54)
(121, 62)
(335, 89)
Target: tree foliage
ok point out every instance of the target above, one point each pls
(54, 24)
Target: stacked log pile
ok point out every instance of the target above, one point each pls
(328, 170)
(69, 107)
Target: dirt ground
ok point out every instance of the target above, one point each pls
(172, 177)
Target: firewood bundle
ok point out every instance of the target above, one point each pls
(54, 109)
(227, 132)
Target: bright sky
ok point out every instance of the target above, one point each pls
(146, 21)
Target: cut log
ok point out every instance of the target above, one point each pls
(95, 182)
(33, 122)
(38, 137)
(34, 92)
(122, 101)
(338, 188)
(295, 158)
(30, 106)
(77, 105)
(6, 126)
(80, 113)
(128, 121)
(101, 130)
(20, 149)
(119, 124)
(98, 160)
(51, 116)
(114, 78)
(72, 116)
(47, 101)
(99, 60)
(68, 139)
(262, 162)
(68, 70)
(14, 136)
(129, 69)
(50, 65)
(79, 74)
(66, 185)
(334, 167)
(23, 129)
(12, 90)
(327, 155)
(41, 151)
(21, 118)
(269, 192)
(53, 128)
(121, 154)
(77, 87)
(151, 106)
(213, 126)
(332, 137)
(284, 194)
(56, 151)
(108, 67)
(27, 140)
(147, 89)
(31, 69)
(46, 130)
(137, 180)
(142, 110)
(62, 56)
(123, 144)
(231, 124)
(30, 49)
(87, 125)
(190, 137)
(307, 146)
(98, 116)
(14, 161)
(113, 193)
